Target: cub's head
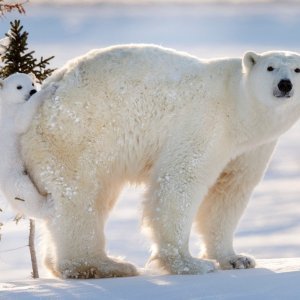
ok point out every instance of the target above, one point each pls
(273, 77)
(17, 88)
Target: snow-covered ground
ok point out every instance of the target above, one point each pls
(269, 229)
(258, 284)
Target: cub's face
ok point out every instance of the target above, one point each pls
(17, 88)
(273, 77)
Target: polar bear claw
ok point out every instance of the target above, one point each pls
(238, 262)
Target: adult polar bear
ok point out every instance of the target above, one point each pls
(189, 129)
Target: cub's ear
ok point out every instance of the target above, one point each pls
(33, 77)
(249, 60)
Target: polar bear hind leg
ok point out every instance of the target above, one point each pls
(223, 206)
(80, 244)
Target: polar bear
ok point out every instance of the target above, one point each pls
(18, 104)
(198, 133)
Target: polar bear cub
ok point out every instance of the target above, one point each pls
(19, 103)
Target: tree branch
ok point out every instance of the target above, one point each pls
(35, 271)
(6, 8)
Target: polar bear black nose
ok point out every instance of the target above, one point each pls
(32, 92)
(285, 85)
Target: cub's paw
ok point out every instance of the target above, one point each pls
(35, 207)
(53, 87)
(237, 262)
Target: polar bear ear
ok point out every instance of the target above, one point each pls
(33, 77)
(249, 60)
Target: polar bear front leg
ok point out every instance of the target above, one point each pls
(168, 214)
(179, 182)
(222, 208)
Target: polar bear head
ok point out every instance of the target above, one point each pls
(17, 88)
(273, 77)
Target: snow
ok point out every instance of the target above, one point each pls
(270, 228)
(261, 283)
(171, 287)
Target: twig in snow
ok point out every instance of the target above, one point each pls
(35, 271)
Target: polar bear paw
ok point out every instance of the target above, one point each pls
(183, 265)
(237, 262)
(81, 273)
(117, 268)
(102, 269)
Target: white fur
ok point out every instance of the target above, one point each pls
(18, 107)
(197, 133)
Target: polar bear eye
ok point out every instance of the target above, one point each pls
(297, 70)
(19, 87)
(270, 69)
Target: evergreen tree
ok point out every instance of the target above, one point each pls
(17, 59)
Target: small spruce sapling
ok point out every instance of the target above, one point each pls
(17, 58)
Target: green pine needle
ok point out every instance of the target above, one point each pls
(17, 58)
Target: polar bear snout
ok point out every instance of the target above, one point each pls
(285, 86)
(32, 92)
(284, 89)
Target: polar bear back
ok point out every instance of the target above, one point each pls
(147, 81)
(138, 70)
